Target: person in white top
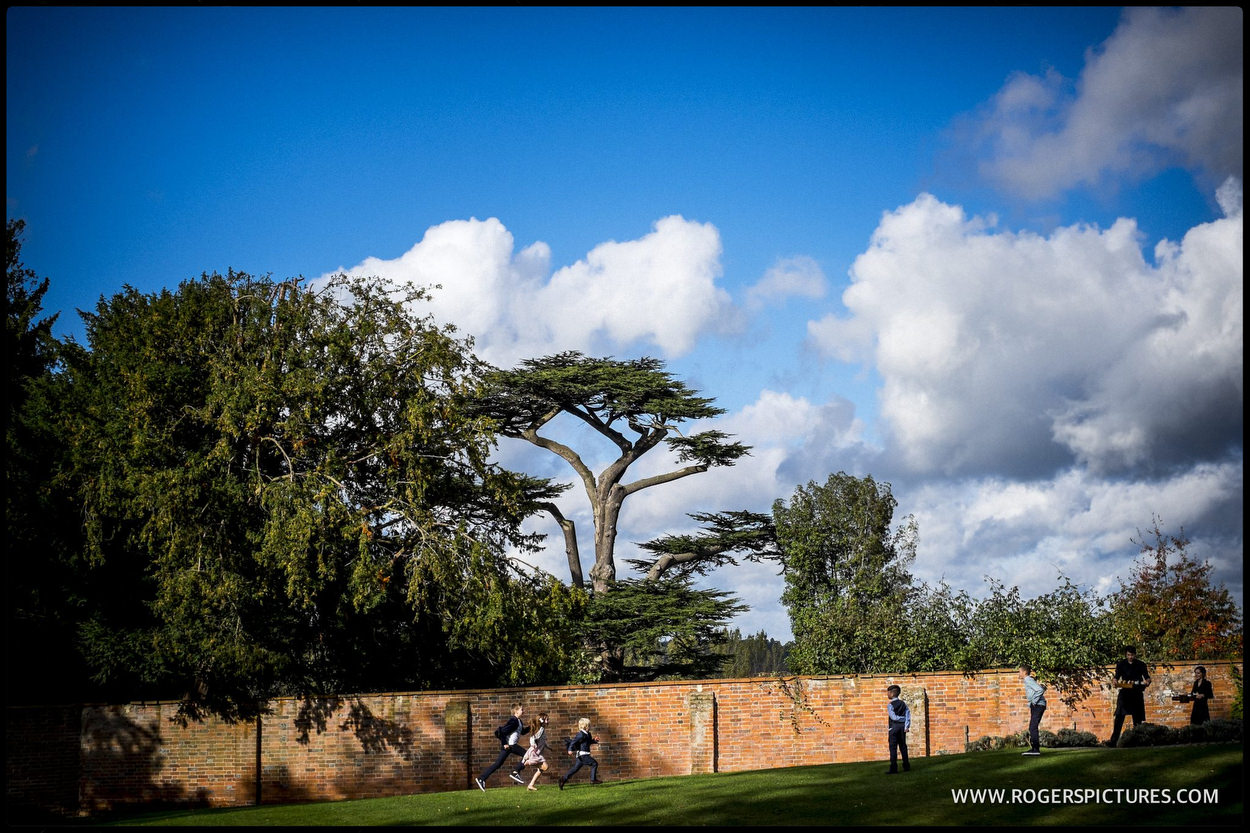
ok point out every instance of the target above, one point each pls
(535, 756)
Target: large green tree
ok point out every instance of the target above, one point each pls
(846, 575)
(636, 405)
(44, 592)
(1170, 608)
(288, 493)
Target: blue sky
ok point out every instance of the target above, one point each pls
(990, 256)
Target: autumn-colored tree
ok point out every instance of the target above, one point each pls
(1170, 608)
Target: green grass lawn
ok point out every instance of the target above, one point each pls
(835, 794)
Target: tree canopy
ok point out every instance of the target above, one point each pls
(846, 575)
(635, 404)
(1169, 608)
(662, 628)
(750, 535)
(290, 487)
(44, 587)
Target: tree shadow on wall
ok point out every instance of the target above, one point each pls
(376, 734)
(121, 765)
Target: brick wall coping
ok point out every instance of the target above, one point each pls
(698, 684)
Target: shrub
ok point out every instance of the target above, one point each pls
(1149, 734)
(1223, 730)
(985, 743)
(1213, 731)
(1067, 738)
(1020, 740)
(1193, 734)
(1220, 730)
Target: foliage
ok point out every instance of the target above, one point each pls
(1148, 734)
(846, 579)
(1067, 737)
(855, 609)
(725, 533)
(750, 656)
(30, 348)
(44, 591)
(284, 491)
(994, 743)
(1064, 738)
(1220, 730)
(1063, 635)
(1170, 609)
(794, 692)
(635, 404)
(658, 629)
(938, 624)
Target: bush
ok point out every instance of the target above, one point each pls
(1149, 734)
(1192, 734)
(1154, 734)
(988, 743)
(1220, 730)
(1068, 738)
(1020, 740)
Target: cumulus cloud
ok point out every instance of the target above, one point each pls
(1164, 90)
(794, 276)
(656, 293)
(1016, 353)
(1041, 397)
(1085, 527)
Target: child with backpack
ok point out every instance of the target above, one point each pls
(508, 734)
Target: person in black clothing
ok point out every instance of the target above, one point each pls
(579, 746)
(1131, 678)
(508, 734)
(1200, 693)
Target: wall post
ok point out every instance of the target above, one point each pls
(702, 732)
(458, 742)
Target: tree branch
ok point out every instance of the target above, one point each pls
(570, 543)
(647, 482)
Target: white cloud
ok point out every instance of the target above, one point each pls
(1180, 381)
(1022, 375)
(657, 292)
(800, 275)
(1016, 353)
(1026, 533)
(1164, 90)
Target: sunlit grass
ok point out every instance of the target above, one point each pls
(836, 794)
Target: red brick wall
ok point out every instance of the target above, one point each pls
(41, 761)
(394, 744)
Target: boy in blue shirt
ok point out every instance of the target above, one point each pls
(899, 722)
(1034, 692)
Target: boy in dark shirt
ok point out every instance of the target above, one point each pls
(508, 734)
(899, 724)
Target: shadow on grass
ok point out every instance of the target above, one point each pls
(858, 794)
